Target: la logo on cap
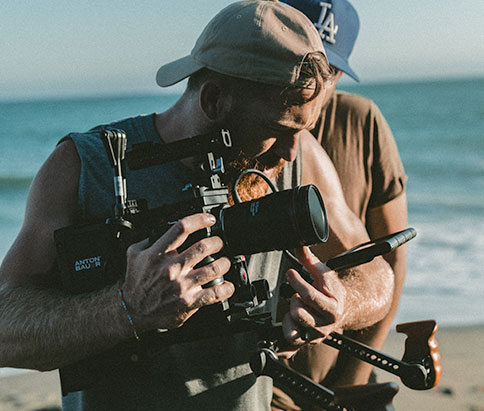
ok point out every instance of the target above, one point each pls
(326, 27)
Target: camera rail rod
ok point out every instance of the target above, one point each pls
(374, 397)
(150, 153)
(419, 369)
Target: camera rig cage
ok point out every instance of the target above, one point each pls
(86, 265)
(93, 256)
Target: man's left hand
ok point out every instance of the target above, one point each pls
(316, 309)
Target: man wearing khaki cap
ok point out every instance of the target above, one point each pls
(258, 70)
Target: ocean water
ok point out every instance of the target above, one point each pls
(439, 129)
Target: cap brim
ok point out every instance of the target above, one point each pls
(176, 71)
(341, 64)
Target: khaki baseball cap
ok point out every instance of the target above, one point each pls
(260, 40)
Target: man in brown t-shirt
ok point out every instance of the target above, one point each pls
(361, 146)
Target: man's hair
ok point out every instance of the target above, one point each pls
(315, 74)
(335, 69)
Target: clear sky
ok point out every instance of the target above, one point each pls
(52, 47)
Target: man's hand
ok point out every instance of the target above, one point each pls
(317, 309)
(162, 288)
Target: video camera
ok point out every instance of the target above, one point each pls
(93, 256)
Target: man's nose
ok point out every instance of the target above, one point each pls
(286, 147)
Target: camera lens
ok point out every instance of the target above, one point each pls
(310, 215)
(279, 221)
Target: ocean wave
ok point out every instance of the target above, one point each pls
(431, 201)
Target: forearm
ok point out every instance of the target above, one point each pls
(352, 299)
(369, 287)
(369, 292)
(45, 328)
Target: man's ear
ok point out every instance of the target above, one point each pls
(214, 101)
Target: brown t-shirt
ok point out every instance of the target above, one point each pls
(358, 139)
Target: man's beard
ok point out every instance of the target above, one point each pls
(251, 185)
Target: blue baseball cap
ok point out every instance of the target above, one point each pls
(337, 23)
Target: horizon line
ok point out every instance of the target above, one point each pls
(177, 91)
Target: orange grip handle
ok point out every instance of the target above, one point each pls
(421, 344)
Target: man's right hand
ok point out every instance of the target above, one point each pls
(162, 289)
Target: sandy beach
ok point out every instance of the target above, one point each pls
(461, 386)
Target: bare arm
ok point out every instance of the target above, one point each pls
(45, 328)
(353, 299)
(38, 320)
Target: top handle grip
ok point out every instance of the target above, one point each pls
(364, 253)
